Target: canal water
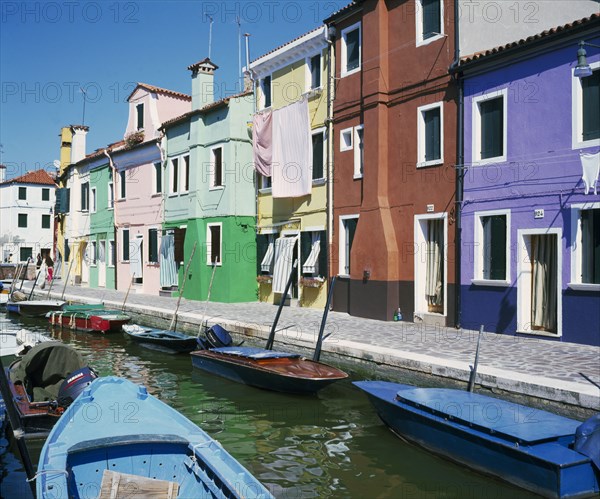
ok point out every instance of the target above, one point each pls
(328, 445)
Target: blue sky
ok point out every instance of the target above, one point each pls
(51, 49)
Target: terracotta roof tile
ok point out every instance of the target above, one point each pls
(342, 11)
(594, 18)
(37, 177)
(158, 90)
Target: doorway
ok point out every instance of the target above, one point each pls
(102, 263)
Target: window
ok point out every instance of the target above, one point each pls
(359, 152)
(67, 250)
(185, 180)
(346, 137)
(174, 175)
(314, 66)
(586, 102)
(25, 253)
(265, 247)
(125, 245)
(265, 85)
(492, 246)
(85, 196)
(139, 112)
(264, 182)
(430, 135)
(217, 167)
(489, 127)
(93, 201)
(45, 194)
(111, 253)
(94, 253)
(351, 50)
(585, 236)
(318, 159)
(429, 20)
(22, 221)
(153, 245)
(122, 185)
(213, 244)
(23, 193)
(313, 251)
(111, 195)
(347, 230)
(157, 178)
(45, 221)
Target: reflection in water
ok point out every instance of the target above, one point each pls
(329, 445)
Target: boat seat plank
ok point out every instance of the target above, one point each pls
(504, 419)
(121, 485)
(255, 353)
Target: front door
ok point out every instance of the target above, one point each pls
(102, 263)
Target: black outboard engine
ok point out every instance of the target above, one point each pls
(74, 385)
(218, 337)
(587, 439)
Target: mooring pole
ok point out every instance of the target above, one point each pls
(271, 339)
(474, 368)
(320, 339)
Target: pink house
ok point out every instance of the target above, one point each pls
(137, 183)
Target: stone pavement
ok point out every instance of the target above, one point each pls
(547, 372)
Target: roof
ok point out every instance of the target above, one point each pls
(206, 61)
(207, 108)
(158, 90)
(526, 42)
(342, 12)
(287, 43)
(40, 177)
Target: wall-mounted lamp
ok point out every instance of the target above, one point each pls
(583, 69)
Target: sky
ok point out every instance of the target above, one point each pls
(52, 50)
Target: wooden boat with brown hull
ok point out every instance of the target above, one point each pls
(268, 369)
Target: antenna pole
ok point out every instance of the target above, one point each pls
(210, 35)
(239, 23)
(83, 117)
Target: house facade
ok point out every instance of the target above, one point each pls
(293, 164)
(531, 210)
(26, 212)
(394, 129)
(209, 196)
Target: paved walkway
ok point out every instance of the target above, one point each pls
(553, 371)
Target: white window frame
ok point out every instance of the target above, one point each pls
(110, 258)
(576, 251)
(183, 166)
(577, 111)
(345, 31)
(111, 196)
(85, 208)
(173, 177)
(419, 24)
(342, 245)
(155, 178)
(421, 142)
(357, 152)
(209, 243)
(523, 274)
(478, 245)
(93, 201)
(323, 131)
(349, 132)
(476, 128)
(212, 186)
(309, 74)
(94, 259)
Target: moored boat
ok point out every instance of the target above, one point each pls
(146, 447)
(171, 340)
(545, 453)
(17, 343)
(34, 308)
(91, 318)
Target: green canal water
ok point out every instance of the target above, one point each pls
(328, 445)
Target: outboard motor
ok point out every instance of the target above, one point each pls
(74, 385)
(218, 337)
(587, 439)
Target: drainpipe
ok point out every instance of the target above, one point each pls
(460, 167)
(330, 34)
(114, 183)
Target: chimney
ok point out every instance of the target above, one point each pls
(203, 86)
(2, 173)
(78, 142)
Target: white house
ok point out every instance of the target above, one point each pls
(26, 216)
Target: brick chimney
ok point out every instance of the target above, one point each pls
(78, 142)
(203, 86)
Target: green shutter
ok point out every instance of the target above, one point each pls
(262, 244)
(591, 104)
(318, 157)
(125, 245)
(492, 128)
(315, 71)
(45, 194)
(153, 245)
(45, 221)
(323, 254)
(305, 247)
(432, 134)
(22, 193)
(498, 247)
(22, 219)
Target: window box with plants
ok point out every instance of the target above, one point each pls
(134, 138)
(312, 282)
(264, 279)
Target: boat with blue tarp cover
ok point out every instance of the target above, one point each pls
(144, 446)
(548, 454)
(171, 340)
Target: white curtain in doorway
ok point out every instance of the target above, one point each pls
(168, 269)
(544, 276)
(135, 257)
(434, 286)
(284, 259)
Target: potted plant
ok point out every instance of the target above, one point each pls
(312, 282)
(264, 279)
(134, 138)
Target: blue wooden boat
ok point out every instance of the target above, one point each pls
(528, 447)
(171, 340)
(116, 437)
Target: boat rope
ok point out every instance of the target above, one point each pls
(198, 446)
(72, 322)
(44, 472)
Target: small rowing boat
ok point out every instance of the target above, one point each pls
(170, 340)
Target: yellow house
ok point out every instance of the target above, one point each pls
(290, 82)
(66, 140)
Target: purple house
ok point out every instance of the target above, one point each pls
(530, 238)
